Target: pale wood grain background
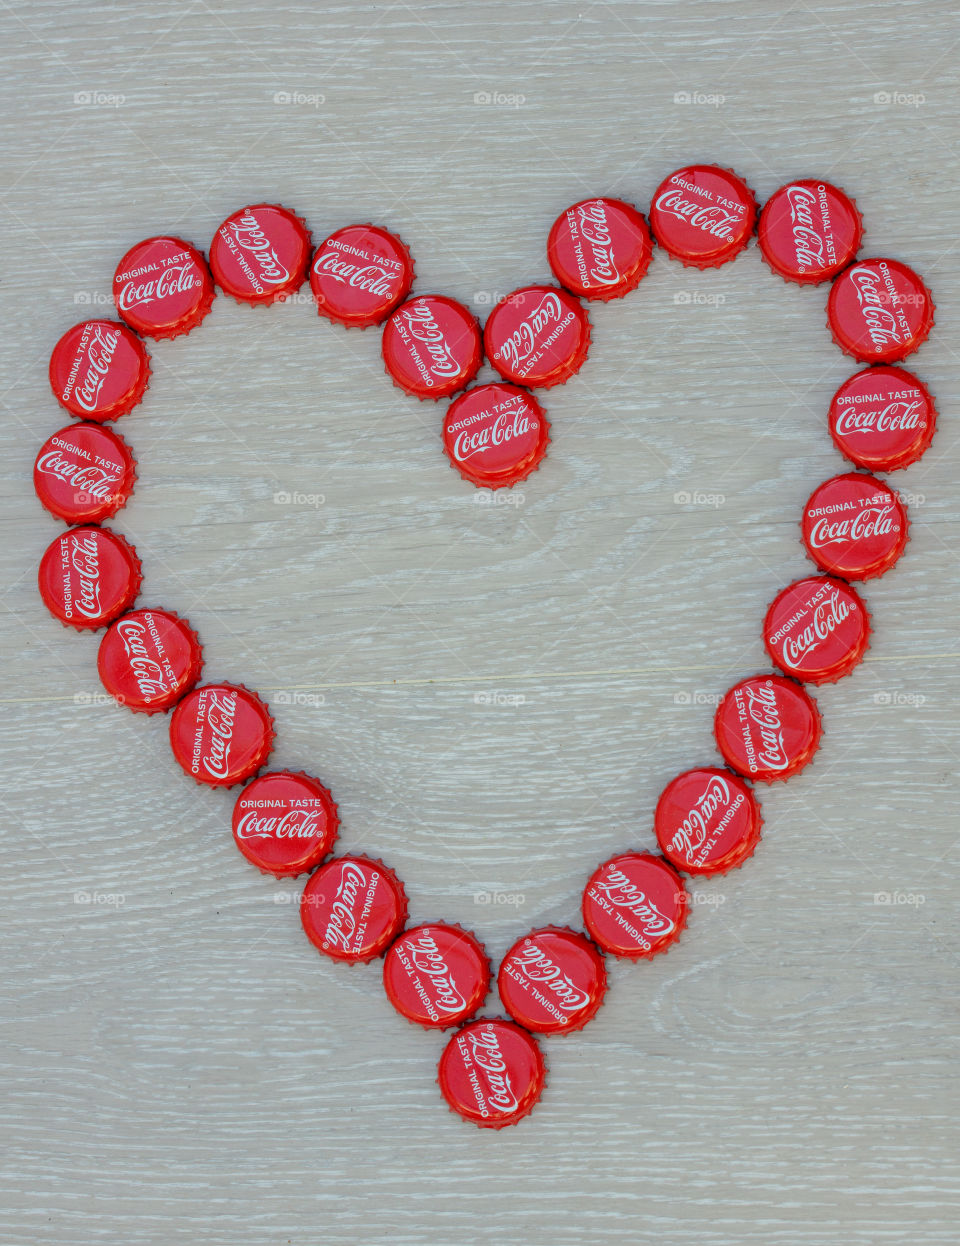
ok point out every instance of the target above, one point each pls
(178, 1064)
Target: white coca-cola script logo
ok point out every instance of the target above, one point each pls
(173, 280)
(898, 414)
(250, 237)
(505, 427)
(423, 326)
(764, 711)
(344, 911)
(710, 218)
(523, 341)
(827, 617)
(869, 521)
(221, 712)
(876, 305)
(536, 966)
(428, 960)
(624, 894)
(85, 560)
(487, 1056)
(373, 278)
(146, 670)
(692, 831)
(99, 355)
(595, 229)
(85, 477)
(291, 824)
(808, 242)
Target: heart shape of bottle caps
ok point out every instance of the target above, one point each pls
(767, 727)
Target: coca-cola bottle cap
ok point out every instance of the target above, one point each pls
(260, 254)
(879, 311)
(221, 734)
(99, 370)
(162, 287)
(703, 215)
(84, 473)
(817, 629)
(492, 1073)
(359, 275)
(635, 905)
(600, 248)
(149, 659)
(707, 821)
(809, 231)
(88, 576)
(285, 822)
(537, 336)
(854, 526)
(552, 981)
(353, 908)
(436, 975)
(432, 346)
(767, 727)
(495, 435)
(882, 419)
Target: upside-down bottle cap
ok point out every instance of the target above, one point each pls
(882, 419)
(817, 629)
(635, 905)
(436, 975)
(221, 734)
(88, 576)
(707, 821)
(492, 1073)
(809, 231)
(552, 981)
(600, 248)
(767, 727)
(260, 254)
(84, 473)
(99, 370)
(538, 336)
(285, 823)
(162, 287)
(854, 526)
(432, 346)
(879, 311)
(703, 215)
(359, 275)
(353, 908)
(495, 435)
(149, 659)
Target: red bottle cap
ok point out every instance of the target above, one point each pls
(495, 435)
(854, 526)
(162, 287)
(707, 821)
(149, 659)
(84, 473)
(432, 346)
(88, 576)
(703, 215)
(879, 311)
(767, 727)
(882, 419)
(436, 975)
(221, 734)
(492, 1073)
(260, 254)
(285, 823)
(538, 336)
(353, 908)
(359, 275)
(600, 248)
(99, 370)
(809, 231)
(552, 981)
(635, 905)
(817, 629)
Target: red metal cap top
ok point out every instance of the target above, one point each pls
(809, 231)
(882, 419)
(817, 629)
(538, 336)
(707, 821)
(88, 576)
(149, 659)
(552, 981)
(767, 727)
(285, 823)
(432, 346)
(221, 734)
(879, 311)
(492, 1073)
(495, 435)
(353, 908)
(359, 275)
(162, 287)
(600, 248)
(854, 526)
(99, 370)
(635, 905)
(703, 215)
(436, 975)
(84, 473)
(260, 254)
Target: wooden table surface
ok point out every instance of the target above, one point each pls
(496, 691)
